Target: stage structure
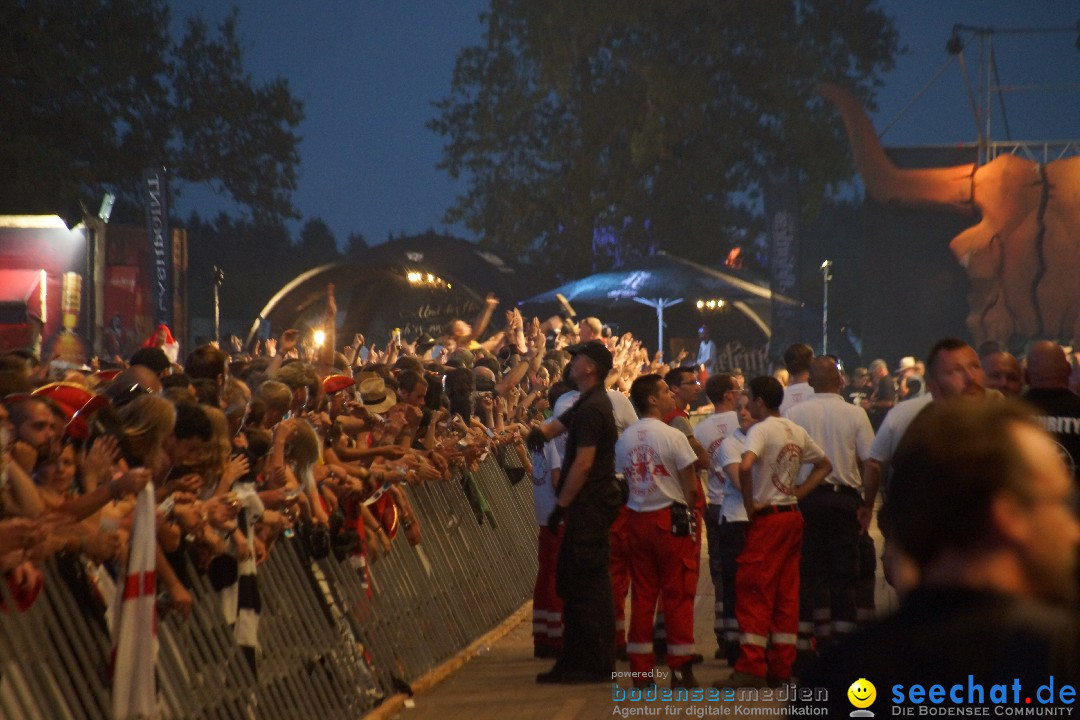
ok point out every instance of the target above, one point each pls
(1021, 257)
(416, 285)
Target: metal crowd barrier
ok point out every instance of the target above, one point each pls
(328, 647)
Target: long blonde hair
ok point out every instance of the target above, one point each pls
(215, 454)
(304, 452)
(147, 421)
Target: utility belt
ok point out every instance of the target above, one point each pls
(828, 487)
(773, 509)
(683, 522)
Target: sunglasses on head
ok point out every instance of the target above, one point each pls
(122, 396)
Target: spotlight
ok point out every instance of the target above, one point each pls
(106, 207)
(320, 338)
(955, 45)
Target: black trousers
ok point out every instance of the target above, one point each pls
(583, 581)
(830, 560)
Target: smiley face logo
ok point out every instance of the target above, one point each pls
(862, 693)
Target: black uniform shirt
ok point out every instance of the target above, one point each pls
(590, 422)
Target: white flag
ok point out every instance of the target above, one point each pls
(136, 624)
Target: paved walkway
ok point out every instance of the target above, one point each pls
(499, 681)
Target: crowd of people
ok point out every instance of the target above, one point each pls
(292, 443)
(794, 465)
(634, 463)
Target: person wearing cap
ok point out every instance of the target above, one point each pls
(909, 383)
(860, 387)
(589, 497)
(153, 358)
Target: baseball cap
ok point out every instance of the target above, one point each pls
(596, 351)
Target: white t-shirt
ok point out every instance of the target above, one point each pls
(650, 454)
(623, 409)
(730, 453)
(895, 425)
(543, 463)
(841, 429)
(710, 432)
(795, 394)
(561, 406)
(781, 447)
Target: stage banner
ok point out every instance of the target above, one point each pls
(782, 228)
(155, 197)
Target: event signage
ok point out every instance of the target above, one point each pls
(155, 197)
(782, 226)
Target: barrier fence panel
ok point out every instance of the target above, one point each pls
(329, 647)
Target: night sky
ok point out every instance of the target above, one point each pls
(367, 73)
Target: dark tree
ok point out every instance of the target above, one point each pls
(257, 261)
(648, 121)
(94, 92)
(355, 246)
(317, 244)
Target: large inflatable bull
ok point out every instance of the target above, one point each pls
(1022, 257)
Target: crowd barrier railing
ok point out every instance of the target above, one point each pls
(329, 647)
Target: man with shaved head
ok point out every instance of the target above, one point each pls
(1003, 373)
(830, 553)
(1047, 377)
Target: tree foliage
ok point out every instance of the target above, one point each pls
(651, 121)
(317, 244)
(257, 261)
(95, 93)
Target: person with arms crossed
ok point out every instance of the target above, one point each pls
(767, 582)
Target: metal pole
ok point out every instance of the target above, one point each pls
(826, 276)
(660, 325)
(219, 278)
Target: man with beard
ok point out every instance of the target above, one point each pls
(984, 508)
(35, 432)
(953, 370)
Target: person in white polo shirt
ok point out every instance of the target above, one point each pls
(767, 582)
(723, 393)
(797, 361)
(658, 464)
(731, 527)
(830, 553)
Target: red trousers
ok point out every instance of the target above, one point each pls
(547, 605)
(767, 595)
(661, 566)
(620, 572)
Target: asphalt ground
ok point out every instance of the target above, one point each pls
(496, 678)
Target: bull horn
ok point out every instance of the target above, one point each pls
(949, 187)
